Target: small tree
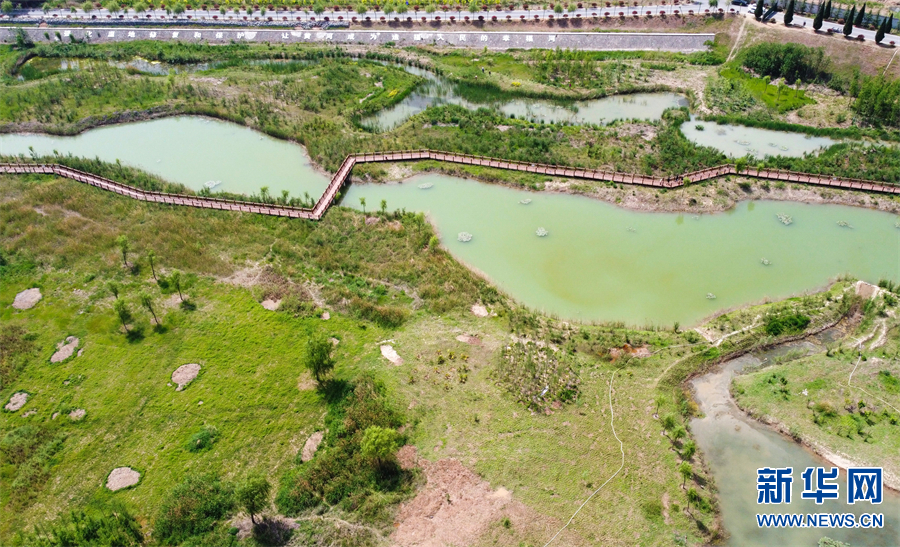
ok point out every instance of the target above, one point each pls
(384, 207)
(678, 433)
(140, 7)
(175, 280)
(318, 8)
(112, 7)
(660, 400)
(253, 495)
(6, 7)
(318, 359)
(557, 8)
(820, 16)
(789, 13)
(686, 472)
(113, 289)
(848, 24)
(688, 450)
(758, 12)
(124, 246)
(151, 257)
(87, 6)
(693, 497)
(713, 3)
(879, 36)
(178, 9)
(379, 444)
(890, 25)
(361, 9)
(121, 310)
(147, 302)
(859, 16)
(362, 201)
(669, 422)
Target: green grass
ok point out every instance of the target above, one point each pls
(780, 98)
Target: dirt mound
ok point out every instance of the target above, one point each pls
(479, 310)
(389, 353)
(17, 401)
(471, 340)
(122, 477)
(77, 414)
(629, 350)
(270, 304)
(65, 349)
(867, 290)
(312, 444)
(457, 507)
(27, 299)
(185, 374)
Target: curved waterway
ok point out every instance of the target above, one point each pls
(602, 262)
(189, 150)
(438, 91)
(738, 141)
(735, 446)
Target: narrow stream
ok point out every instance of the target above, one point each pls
(735, 446)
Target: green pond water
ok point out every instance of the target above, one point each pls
(189, 150)
(738, 140)
(601, 262)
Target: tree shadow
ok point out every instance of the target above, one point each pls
(187, 305)
(135, 334)
(274, 532)
(334, 390)
(160, 329)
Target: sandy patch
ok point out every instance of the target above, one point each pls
(270, 304)
(185, 374)
(17, 401)
(472, 340)
(311, 445)
(65, 349)
(457, 507)
(27, 299)
(389, 353)
(479, 310)
(77, 414)
(28, 413)
(122, 477)
(867, 290)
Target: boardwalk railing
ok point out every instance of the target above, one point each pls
(340, 178)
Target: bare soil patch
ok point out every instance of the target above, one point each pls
(408, 457)
(326, 316)
(17, 401)
(185, 374)
(479, 310)
(77, 414)
(122, 477)
(389, 353)
(630, 351)
(65, 349)
(457, 507)
(311, 445)
(867, 290)
(305, 382)
(471, 340)
(27, 299)
(270, 304)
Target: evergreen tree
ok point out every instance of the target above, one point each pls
(789, 13)
(848, 23)
(879, 36)
(820, 15)
(890, 24)
(828, 9)
(758, 12)
(860, 15)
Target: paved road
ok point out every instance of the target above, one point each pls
(282, 17)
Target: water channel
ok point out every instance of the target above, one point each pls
(437, 91)
(738, 140)
(734, 446)
(594, 261)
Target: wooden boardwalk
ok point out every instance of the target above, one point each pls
(340, 178)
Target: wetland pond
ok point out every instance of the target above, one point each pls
(597, 262)
(436, 90)
(735, 446)
(737, 140)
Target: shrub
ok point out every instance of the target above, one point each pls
(785, 323)
(107, 526)
(193, 508)
(203, 439)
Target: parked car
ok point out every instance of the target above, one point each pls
(743, 3)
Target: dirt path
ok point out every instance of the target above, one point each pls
(737, 41)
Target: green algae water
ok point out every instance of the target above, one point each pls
(599, 262)
(189, 150)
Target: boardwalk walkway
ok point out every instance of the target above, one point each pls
(340, 178)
